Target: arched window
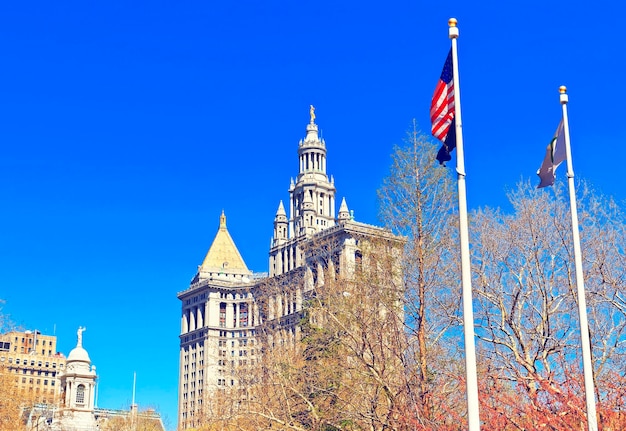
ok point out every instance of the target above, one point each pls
(80, 394)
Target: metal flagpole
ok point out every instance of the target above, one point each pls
(466, 274)
(592, 421)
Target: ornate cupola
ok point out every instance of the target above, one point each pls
(78, 383)
(312, 192)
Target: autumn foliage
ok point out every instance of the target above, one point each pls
(11, 403)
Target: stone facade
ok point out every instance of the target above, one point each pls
(75, 409)
(226, 304)
(35, 363)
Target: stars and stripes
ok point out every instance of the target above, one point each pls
(442, 111)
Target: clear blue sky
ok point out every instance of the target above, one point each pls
(126, 128)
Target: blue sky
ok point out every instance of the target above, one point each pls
(126, 128)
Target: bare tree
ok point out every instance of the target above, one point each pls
(526, 303)
(417, 200)
(340, 363)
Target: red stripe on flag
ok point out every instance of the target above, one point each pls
(442, 109)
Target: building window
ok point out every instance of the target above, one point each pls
(222, 314)
(243, 314)
(80, 394)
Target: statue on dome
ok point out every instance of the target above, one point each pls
(80, 335)
(312, 112)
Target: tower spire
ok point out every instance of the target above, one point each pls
(344, 213)
(312, 205)
(280, 225)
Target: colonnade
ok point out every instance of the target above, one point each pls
(313, 161)
(198, 316)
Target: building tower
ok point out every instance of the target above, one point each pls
(78, 384)
(280, 226)
(311, 203)
(312, 197)
(217, 327)
(226, 305)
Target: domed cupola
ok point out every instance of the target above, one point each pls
(79, 378)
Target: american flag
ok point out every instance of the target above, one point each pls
(442, 111)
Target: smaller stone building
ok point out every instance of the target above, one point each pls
(76, 409)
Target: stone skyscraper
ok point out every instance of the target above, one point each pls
(226, 305)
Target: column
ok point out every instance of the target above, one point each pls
(278, 261)
(270, 307)
(192, 319)
(200, 319)
(184, 327)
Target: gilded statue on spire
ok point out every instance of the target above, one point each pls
(312, 112)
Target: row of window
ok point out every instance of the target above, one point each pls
(242, 362)
(242, 343)
(32, 362)
(232, 353)
(195, 299)
(32, 372)
(30, 341)
(235, 334)
(233, 295)
(45, 381)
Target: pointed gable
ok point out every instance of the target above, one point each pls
(223, 255)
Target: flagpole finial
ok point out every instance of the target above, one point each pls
(563, 94)
(453, 30)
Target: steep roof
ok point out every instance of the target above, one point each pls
(223, 254)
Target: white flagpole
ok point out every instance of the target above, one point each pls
(592, 421)
(466, 273)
